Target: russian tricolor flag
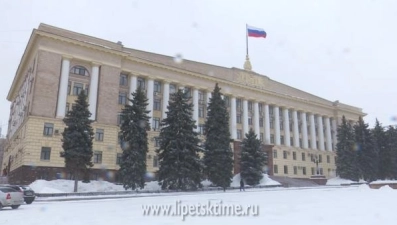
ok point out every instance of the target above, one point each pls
(255, 32)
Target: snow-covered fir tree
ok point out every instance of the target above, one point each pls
(391, 140)
(134, 141)
(178, 154)
(218, 156)
(77, 139)
(385, 157)
(368, 158)
(252, 159)
(347, 158)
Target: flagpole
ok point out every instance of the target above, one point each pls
(246, 37)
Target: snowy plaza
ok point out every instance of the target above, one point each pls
(321, 205)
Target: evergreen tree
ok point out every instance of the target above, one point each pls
(252, 159)
(346, 160)
(218, 156)
(367, 153)
(77, 139)
(385, 159)
(134, 141)
(391, 140)
(180, 164)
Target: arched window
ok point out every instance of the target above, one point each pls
(79, 70)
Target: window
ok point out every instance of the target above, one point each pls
(201, 96)
(271, 124)
(188, 91)
(122, 98)
(67, 108)
(48, 129)
(274, 154)
(157, 104)
(272, 138)
(300, 143)
(87, 87)
(201, 129)
(303, 156)
(294, 155)
(141, 83)
(156, 123)
(261, 138)
(281, 125)
(309, 144)
(282, 139)
(313, 170)
(304, 170)
(238, 118)
(119, 158)
(260, 108)
(321, 171)
(201, 111)
(120, 119)
(291, 141)
(295, 170)
(320, 158)
(155, 161)
(45, 153)
(238, 104)
(157, 87)
(99, 135)
(275, 168)
(172, 88)
(239, 134)
(249, 120)
(123, 79)
(97, 157)
(285, 169)
(69, 87)
(77, 88)
(285, 154)
(271, 110)
(328, 159)
(156, 142)
(250, 106)
(261, 122)
(79, 70)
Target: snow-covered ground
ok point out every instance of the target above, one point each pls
(66, 186)
(341, 181)
(384, 182)
(349, 205)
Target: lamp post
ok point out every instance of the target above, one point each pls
(315, 159)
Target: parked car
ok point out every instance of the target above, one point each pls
(28, 193)
(9, 197)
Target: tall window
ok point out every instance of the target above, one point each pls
(201, 96)
(155, 161)
(249, 105)
(328, 159)
(48, 129)
(141, 83)
(238, 118)
(77, 88)
(261, 122)
(123, 80)
(295, 170)
(201, 111)
(156, 142)
(238, 104)
(172, 88)
(201, 129)
(281, 139)
(275, 154)
(285, 169)
(122, 98)
(285, 154)
(69, 87)
(261, 137)
(272, 138)
(303, 156)
(97, 157)
(249, 120)
(271, 110)
(157, 87)
(260, 107)
(294, 155)
(157, 104)
(99, 135)
(45, 153)
(156, 123)
(119, 158)
(304, 170)
(188, 91)
(239, 134)
(79, 70)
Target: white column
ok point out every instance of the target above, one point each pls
(328, 134)
(335, 137)
(312, 132)
(320, 132)
(150, 90)
(267, 125)
(196, 107)
(296, 128)
(287, 136)
(304, 131)
(277, 124)
(209, 95)
(93, 96)
(133, 86)
(166, 99)
(245, 117)
(233, 122)
(256, 121)
(63, 88)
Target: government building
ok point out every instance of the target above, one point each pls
(297, 129)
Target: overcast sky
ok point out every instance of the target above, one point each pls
(336, 49)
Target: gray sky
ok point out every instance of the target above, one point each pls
(336, 49)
